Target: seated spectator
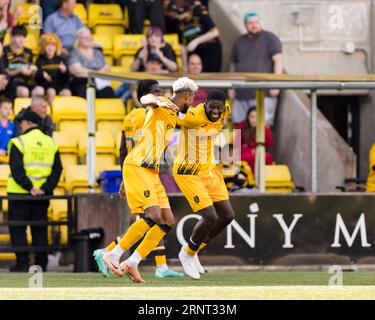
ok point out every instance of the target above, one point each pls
(64, 23)
(158, 48)
(248, 139)
(52, 75)
(39, 105)
(7, 19)
(195, 67)
(83, 59)
(7, 129)
(198, 32)
(256, 51)
(139, 10)
(18, 63)
(3, 77)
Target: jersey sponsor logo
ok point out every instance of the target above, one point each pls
(196, 199)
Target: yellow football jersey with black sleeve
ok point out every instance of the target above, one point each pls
(195, 152)
(157, 130)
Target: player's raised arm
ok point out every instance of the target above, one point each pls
(158, 101)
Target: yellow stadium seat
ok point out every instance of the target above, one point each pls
(105, 14)
(66, 141)
(69, 113)
(110, 114)
(80, 12)
(126, 17)
(127, 44)
(31, 13)
(172, 40)
(126, 62)
(31, 42)
(278, 179)
(109, 31)
(111, 126)
(76, 179)
(4, 175)
(103, 141)
(20, 103)
(106, 44)
(370, 186)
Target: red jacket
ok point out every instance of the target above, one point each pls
(251, 143)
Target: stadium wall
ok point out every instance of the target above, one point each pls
(268, 228)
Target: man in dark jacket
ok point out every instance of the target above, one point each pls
(39, 105)
(35, 167)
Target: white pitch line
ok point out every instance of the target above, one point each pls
(201, 293)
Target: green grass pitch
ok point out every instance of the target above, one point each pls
(215, 285)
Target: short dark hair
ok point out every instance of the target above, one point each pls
(216, 95)
(144, 87)
(19, 31)
(61, 2)
(5, 100)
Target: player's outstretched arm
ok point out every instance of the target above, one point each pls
(154, 101)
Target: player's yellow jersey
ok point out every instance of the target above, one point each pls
(133, 123)
(195, 151)
(158, 128)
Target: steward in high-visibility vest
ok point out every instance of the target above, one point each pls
(35, 169)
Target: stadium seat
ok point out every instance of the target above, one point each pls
(105, 149)
(69, 113)
(370, 186)
(31, 12)
(106, 44)
(126, 62)
(105, 14)
(110, 114)
(4, 174)
(81, 12)
(66, 141)
(119, 70)
(278, 179)
(127, 45)
(76, 179)
(109, 31)
(172, 40)
(31, 42)
(118, 143)
(20, 103)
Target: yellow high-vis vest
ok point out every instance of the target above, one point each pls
(38, 152)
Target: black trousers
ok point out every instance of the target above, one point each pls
(78, 87)
(139, 10)
(211, 55)
(32, 211)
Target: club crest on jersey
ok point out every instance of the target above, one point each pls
(146, 193)
(196, 199)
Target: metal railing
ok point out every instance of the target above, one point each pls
(70, 222)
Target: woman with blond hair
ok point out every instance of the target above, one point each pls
(52, 76)
(84, 59)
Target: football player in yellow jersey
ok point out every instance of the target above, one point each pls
(133, 123)
(200, 180)
(143, 188)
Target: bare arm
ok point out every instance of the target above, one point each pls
(77, 70)
(278, 67)
(208, 36)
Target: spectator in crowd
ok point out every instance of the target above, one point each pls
(39, 105)
(3, 77)
(35, 167)
(248, 139)
(64, 23)
(198, 32)
(83, 59)
(52, 75)
(18, 63)
(139, 10)
(48, 8)
(195, 67)
(7, 19)
(256, 51)
(159, 49)
(7, 128)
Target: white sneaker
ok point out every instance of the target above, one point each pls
(198, 265)
(188, 264)
(112, 260)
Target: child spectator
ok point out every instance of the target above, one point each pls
(18, 63)
(83, 59)
(195, 67)
(248, 139)
(155, 46)
(52, 76)
(7, 128)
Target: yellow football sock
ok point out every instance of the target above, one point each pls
(190, 251)
(160, 260)
(202, 246)
(135, 233)
(111, 246)
(150, 241)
